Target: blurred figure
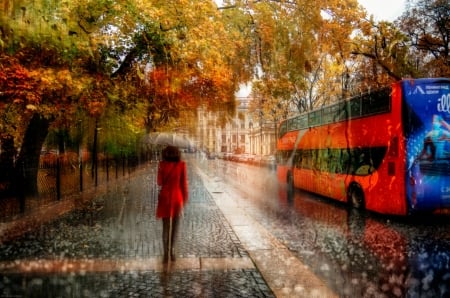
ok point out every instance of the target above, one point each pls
(172, 177)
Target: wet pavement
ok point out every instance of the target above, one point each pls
(113, 248)
(357, 254)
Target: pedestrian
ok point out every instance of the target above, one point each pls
(173, 195)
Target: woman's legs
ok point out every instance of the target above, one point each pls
(165, 237)
(173, 237)
(169, 232)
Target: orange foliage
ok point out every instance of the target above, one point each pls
(176, 89)
(169, 89)
(94, 98)
(17, 85)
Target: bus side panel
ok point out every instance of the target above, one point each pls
(383, 189)
(326, 184)
(313, 178)
(304, 179)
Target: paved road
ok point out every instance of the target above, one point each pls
(113, 249)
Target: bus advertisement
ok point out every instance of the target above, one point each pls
(387, 151)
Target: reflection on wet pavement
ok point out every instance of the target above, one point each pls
(358, 254)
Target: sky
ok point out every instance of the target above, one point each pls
(387, 10)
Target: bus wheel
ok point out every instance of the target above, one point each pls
(356, 196)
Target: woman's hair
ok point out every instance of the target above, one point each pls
(171, 153)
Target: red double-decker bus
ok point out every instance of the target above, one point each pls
(387, 151)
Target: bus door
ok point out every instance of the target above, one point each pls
(426, 122)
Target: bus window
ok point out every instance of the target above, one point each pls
(286, 157)
(298, 122)
(298, 159)
(342, 111)
(283, 129)
(307, 159)
(322, 160)
(303, 121)
(365, 164)
(327, 115)
(293, 124)
(334, 161)
(355, 107)
(345, 160)
(377, 102)
(314, 118)
(316, 159)
(334, 112)
(364, 161)
(353, 160)
(289, 125)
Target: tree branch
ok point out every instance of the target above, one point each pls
(379, 62)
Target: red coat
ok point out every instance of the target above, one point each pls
(172, 177)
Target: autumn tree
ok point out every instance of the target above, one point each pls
(198, 65)
(383, 51)
(329, 76)
(34, 97)
(19, 91)
(55, 52)
(426, 23)
(415, 45)
(300, 49)
(110, 59)
(56, 46)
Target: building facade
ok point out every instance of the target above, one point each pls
(239, 134)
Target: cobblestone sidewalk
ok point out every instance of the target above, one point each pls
(113, 249)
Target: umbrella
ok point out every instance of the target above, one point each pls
(167, 138)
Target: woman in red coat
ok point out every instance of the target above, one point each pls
(172, 177)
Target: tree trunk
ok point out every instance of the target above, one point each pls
(27, 164)
(7, 155)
